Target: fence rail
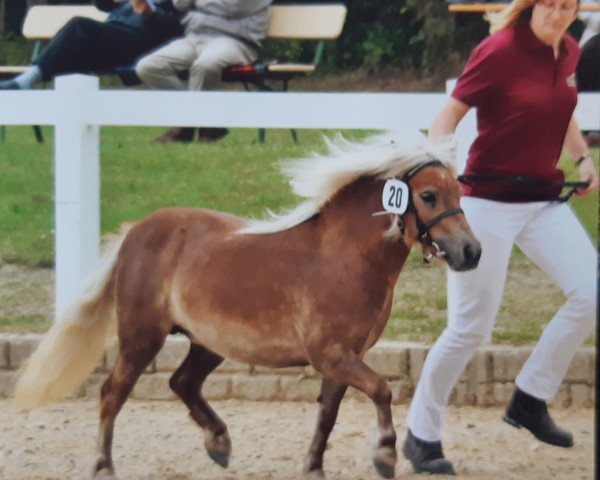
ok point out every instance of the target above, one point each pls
(77, 108)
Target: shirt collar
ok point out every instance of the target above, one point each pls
(534, 44)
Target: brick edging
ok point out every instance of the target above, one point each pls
(488, 379)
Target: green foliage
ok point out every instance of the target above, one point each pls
(437, 30)
(378, 34)
(412, 34)
(288, 50)
(14, 49)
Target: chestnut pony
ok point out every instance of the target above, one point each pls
(311, 286)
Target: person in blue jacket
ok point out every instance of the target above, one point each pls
(83, 45)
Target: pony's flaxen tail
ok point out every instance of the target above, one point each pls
(74, 344)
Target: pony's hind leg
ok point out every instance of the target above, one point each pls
(187, 382)
(329, 400)
(345, 367)
(129, 366)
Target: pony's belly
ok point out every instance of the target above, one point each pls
(245, 344)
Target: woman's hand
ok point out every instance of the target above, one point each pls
(141, 7)
(578, 148)
(587, 173)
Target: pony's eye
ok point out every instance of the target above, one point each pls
(429, 197)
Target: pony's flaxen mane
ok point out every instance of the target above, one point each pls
(318, 177)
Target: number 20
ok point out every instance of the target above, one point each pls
(395, 200)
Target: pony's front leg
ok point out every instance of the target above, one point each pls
(345, 367)
(329, 403)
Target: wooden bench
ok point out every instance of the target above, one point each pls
(41, 24)
(317, 22)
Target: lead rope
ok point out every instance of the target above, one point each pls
(574, 186)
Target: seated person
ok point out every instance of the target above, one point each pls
(84, 45)
(218, 33)
(588, 68)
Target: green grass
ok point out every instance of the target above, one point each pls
(236, 175)
(419, 309)
(240, 176)
(26, 323)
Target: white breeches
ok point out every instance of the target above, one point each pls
(552, 237)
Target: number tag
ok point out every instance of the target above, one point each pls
(395, 196)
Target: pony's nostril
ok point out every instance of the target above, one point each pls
(471, 253)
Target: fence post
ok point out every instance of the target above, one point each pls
(77, 186)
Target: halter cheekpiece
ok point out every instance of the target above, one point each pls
(423, 227)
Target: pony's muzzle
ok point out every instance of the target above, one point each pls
(462, 254)
(471, 255)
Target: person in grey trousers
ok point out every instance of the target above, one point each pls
(218, 33)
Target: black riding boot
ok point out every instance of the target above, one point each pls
(426, 457)
(531, 413)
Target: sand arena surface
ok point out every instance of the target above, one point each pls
(157, 441)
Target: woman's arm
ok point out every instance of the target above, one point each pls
(445, 123)
(577, 148)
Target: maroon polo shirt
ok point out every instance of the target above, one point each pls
(524, 100)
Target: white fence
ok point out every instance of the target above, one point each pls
(77, 108)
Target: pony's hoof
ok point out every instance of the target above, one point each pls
(105, 474)
(384, 469)
(314, 475)
(384, 461)
(218, 448)
(219, 458)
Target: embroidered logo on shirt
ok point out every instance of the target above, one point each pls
(571, 81)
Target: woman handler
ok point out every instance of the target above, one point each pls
(521, 80)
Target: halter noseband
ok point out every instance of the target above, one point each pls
(423, 227)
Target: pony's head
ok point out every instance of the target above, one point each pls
(431, 216)
(433, 212)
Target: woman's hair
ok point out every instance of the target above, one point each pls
(517, 11)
